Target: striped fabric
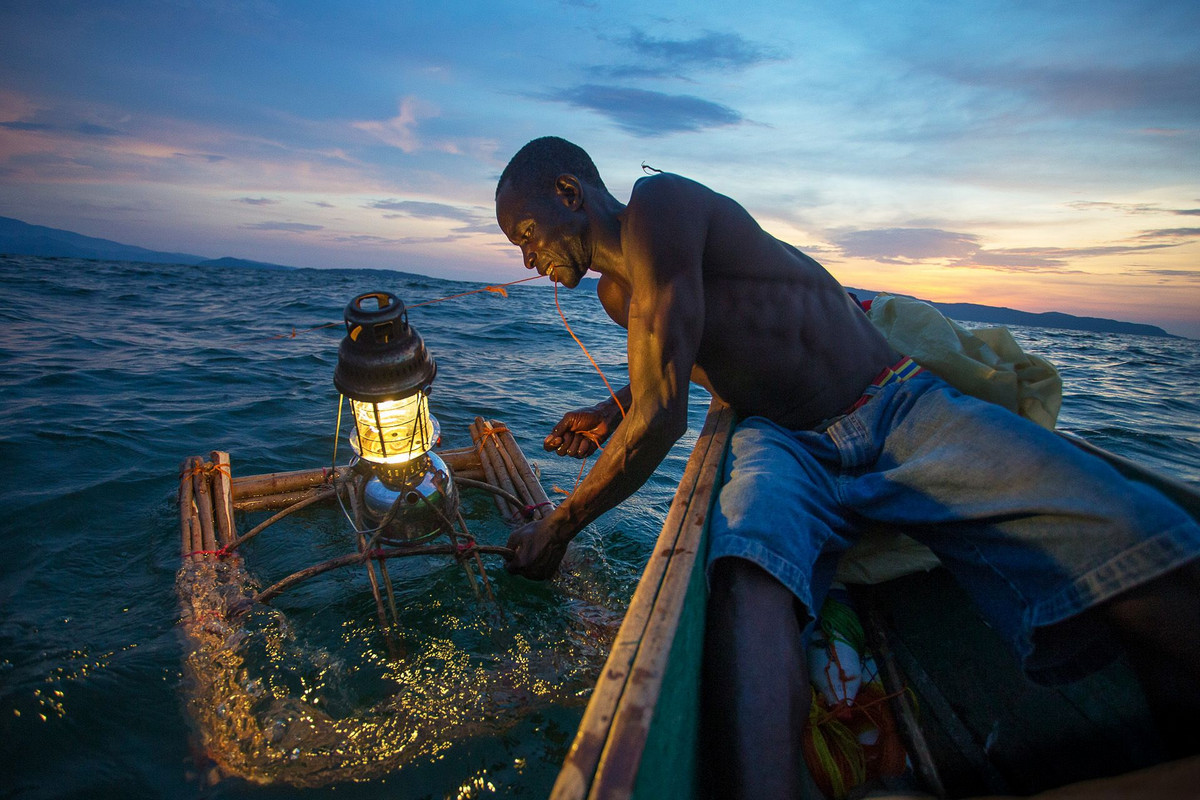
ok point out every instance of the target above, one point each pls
(902, 370)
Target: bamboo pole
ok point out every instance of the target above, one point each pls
(510, 466)
(470, 474)
(197, 538)
(304, 502)
(489, 469)
(185, 507)
(492, 455)
(353, 492)
(901, 704)
(204, 507)
(283, 500)
(541, 503)
(273, 483)
(461, 459)
(223, 497)
(374, 579)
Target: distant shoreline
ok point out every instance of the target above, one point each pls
(19, 238)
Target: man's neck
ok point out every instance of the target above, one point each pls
(606, 218)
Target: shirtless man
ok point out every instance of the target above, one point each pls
(835, 432)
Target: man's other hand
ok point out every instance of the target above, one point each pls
(538, 550)
(578, 434)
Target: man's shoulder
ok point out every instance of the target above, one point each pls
(667, 185)
(668, 203)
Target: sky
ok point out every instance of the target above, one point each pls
(1038, 155)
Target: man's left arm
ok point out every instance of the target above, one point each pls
(663, 252)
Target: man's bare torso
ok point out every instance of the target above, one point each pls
(781, 337)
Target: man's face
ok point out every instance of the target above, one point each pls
(549, 231)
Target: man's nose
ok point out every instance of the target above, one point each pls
(531, 259)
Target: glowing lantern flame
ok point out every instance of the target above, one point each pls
(386, 372)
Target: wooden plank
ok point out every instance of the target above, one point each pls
(604, 758)
(888, 652)
(648, 704)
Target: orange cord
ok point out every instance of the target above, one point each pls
(586, 353)
(498, 288)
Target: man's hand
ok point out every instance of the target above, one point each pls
(539, 549)
(579, 433)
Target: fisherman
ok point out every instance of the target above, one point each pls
(837, 432)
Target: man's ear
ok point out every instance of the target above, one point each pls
(568, 190)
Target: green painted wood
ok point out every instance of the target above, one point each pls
(670, 761)
(659, 642)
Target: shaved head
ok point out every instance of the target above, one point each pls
(536, 165)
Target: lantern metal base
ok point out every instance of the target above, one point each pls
(421, 506)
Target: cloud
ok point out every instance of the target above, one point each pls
(1168, 90)
(1028, 260)
(84, 128)
(423, 210)
(472, 221)
(905, 245)
(646, 113)
(708, 51)
(914, 245)
(401, 130)
(711, 49)
(210, 158)
(1123, 208)
(256, 201)
(321, 204)
(1182, 274)
(1131, 208)
(290, 227)
(369, 239)
(1170, 233)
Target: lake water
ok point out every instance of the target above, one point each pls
(112, 373)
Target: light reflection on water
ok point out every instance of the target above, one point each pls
(305, 693)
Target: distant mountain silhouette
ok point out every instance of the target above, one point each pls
(20, 238)
(999, 315)
(242, 263)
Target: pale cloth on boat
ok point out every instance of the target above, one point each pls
(986, 363)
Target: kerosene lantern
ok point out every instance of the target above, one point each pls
(387, 374)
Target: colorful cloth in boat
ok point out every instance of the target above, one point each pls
(1036, 530)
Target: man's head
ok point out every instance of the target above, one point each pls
(536, 166)
(540, 207)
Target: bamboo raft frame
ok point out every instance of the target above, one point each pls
(209, 497)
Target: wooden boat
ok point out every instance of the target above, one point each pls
(976, 726)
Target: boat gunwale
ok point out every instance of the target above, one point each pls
(605, 755)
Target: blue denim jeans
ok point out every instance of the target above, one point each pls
(1034, 529)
